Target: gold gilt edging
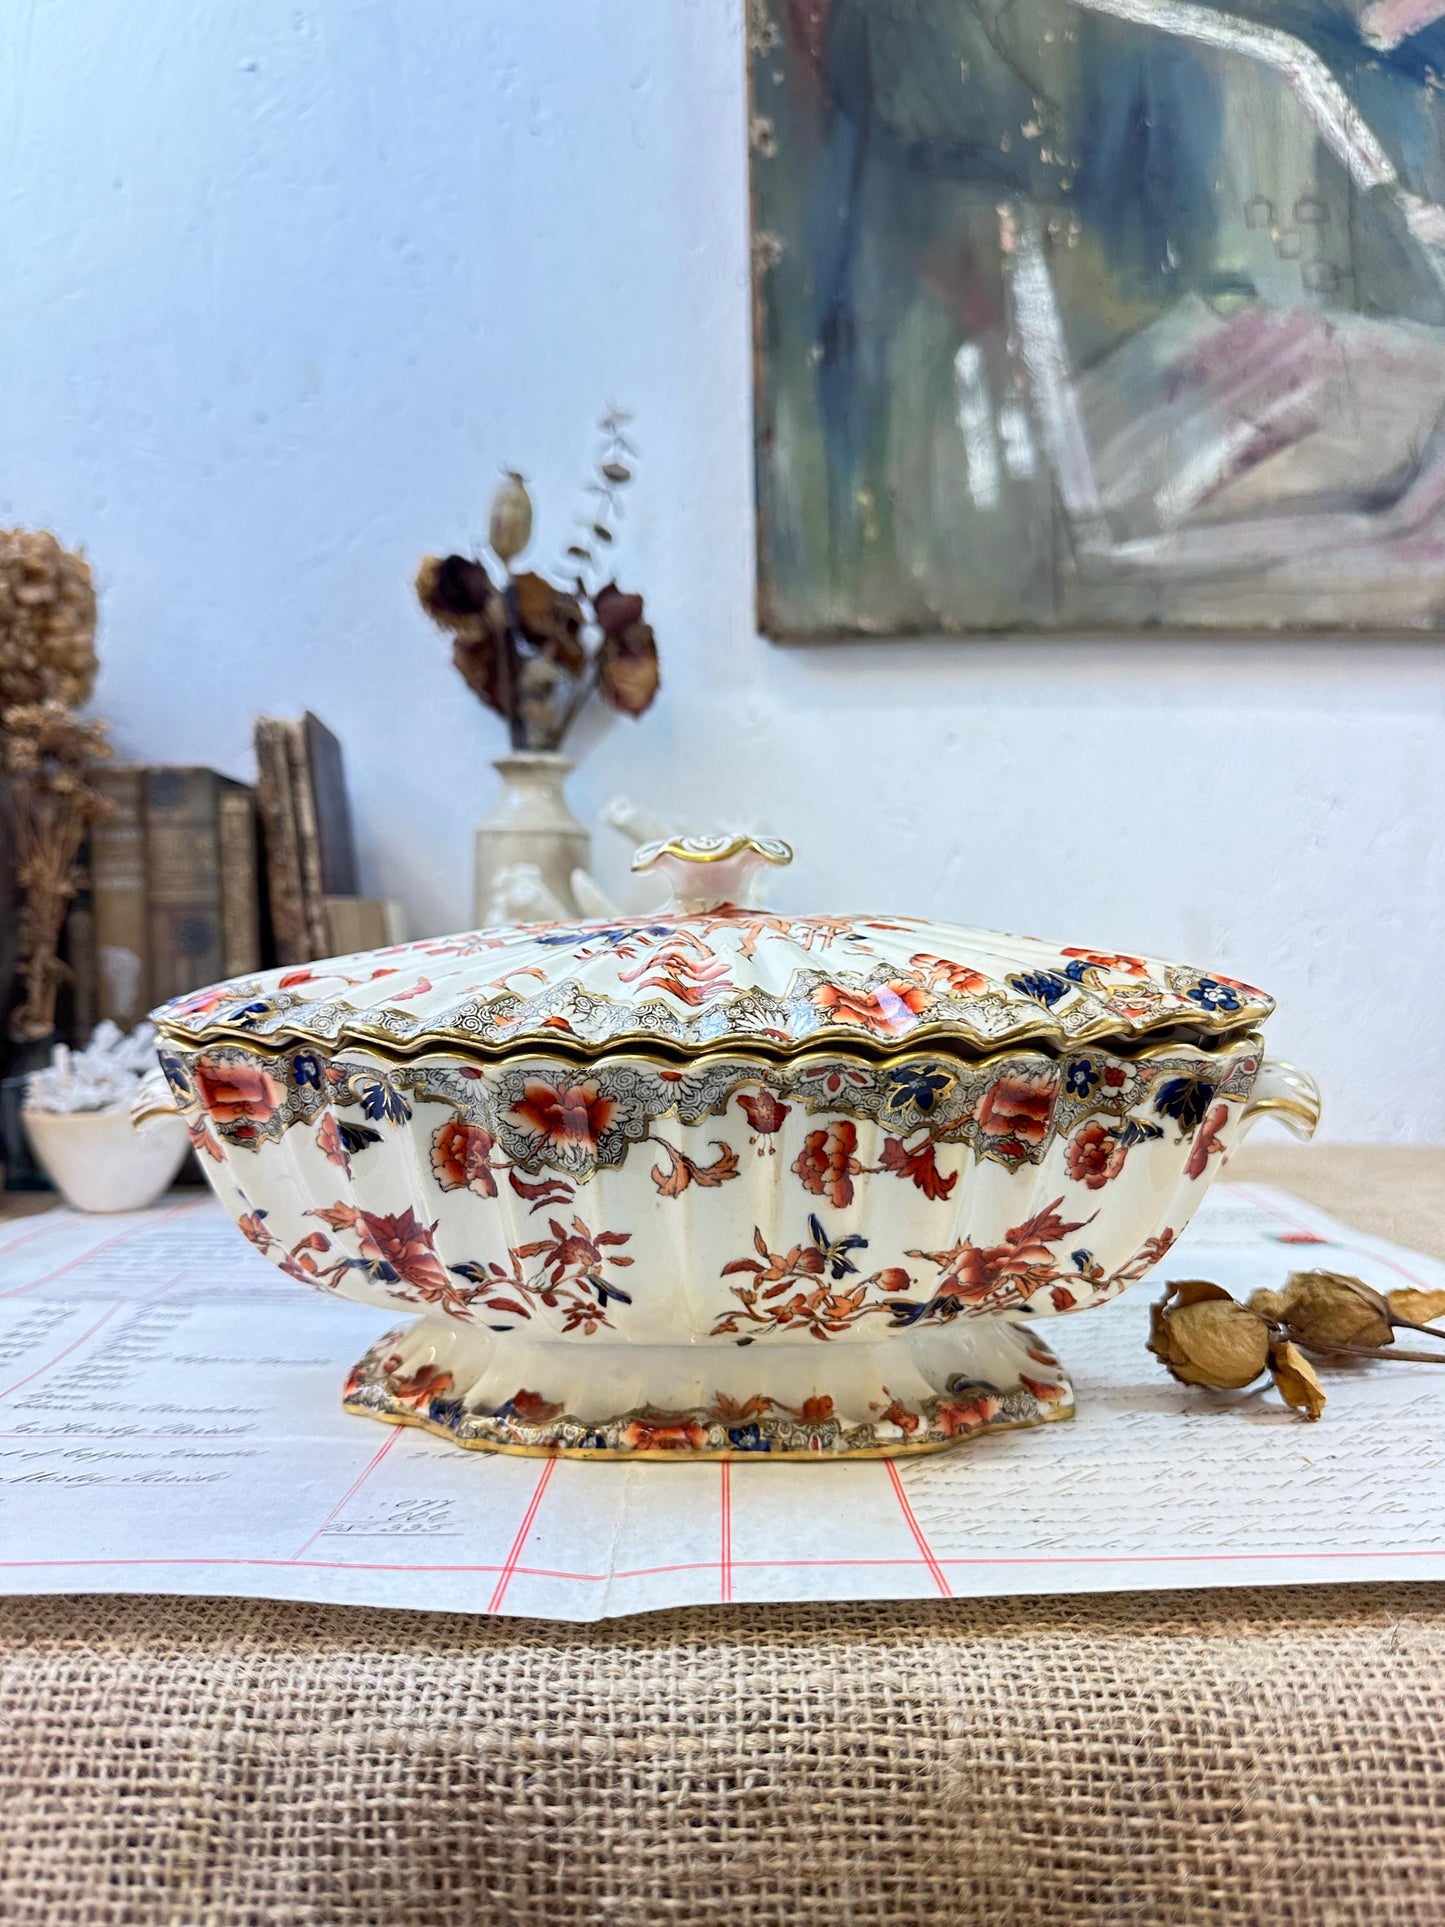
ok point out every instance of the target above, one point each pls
(1048, 1415)
(969, 1046)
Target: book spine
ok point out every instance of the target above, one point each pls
(240, 905)
(184, 864)
(118, 896)
(81, 989)
(283, 863)
(308, 838)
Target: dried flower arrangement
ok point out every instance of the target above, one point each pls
(532, 651)
(47, 667)
(1204, 1337)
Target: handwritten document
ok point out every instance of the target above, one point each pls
(170, 1421)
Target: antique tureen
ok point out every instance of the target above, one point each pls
(713, 1181)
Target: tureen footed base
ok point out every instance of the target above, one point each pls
(913, 1392)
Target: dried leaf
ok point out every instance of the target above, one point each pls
(1296, 1380)
(627, 671)
(1416, 1307)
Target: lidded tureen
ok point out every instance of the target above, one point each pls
(713, 1180)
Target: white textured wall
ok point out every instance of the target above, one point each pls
(288, 281)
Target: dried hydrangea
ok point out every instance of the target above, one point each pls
(47, 621)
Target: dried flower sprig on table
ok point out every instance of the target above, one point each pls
(1204, 1337)
(47, 667)
(534, 652)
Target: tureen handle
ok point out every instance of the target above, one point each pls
(153, 1098)
(708, 871)
(1284, 1092)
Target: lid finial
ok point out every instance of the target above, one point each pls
(708, 871)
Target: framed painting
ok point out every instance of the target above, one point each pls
(1098, 315)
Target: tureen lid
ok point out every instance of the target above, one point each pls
(709, 972)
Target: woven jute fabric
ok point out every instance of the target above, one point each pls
(1183, 1760)
(1273, 1757)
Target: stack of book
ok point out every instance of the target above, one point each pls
(193, 877)
(173, 896)
(310, 856)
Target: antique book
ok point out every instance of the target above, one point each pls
(190, 943)
(332, 807)
(118, 898)
(308, 840)
(361, 923)
(240, 894)
(283, 853)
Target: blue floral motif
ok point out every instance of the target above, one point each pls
(1211, 995)
(1185, 1099)
(836, 1250)
(917, 1087)
(748, 1438)
(1081, 1077)
(1046, 987)
(306, 1069)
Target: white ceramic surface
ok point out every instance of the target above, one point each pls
(99, 1161)
(718, 1180)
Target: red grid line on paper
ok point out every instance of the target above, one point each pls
(1341, 1244)
(940, 1578)
(146, 1223)
(494, 1604)
(351, 1491)
(46, 1225)
(725, 1564)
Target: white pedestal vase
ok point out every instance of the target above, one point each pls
(531, 823)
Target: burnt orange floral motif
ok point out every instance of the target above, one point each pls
(956, 1416)
(563, 1114)
(664, 1433)
(203, 1138)
(328, 1142)
(764, 1112)
(887, 1008)
(1095, 1155)
(944, 974)
(1019, 1106)
(1046, 1393)
(827, 1164)
(1206, 1141)
(533, 1409)
(233, 1093)
(425, 1383)
(461, 1156)
(402, 1241)
(901, 1415)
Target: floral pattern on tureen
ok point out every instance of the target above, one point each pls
(716, 1179)
(718, 971)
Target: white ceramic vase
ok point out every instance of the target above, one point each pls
(532, 823)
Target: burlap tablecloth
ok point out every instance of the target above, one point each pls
(1265, 1756)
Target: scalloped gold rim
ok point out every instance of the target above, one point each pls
(743, 1053)
(772, 849)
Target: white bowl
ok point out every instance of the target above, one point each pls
(99, 1161)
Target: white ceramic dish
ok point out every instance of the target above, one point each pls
(99, 1162)
(717, 1181)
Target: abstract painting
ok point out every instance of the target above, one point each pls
(1099, 315)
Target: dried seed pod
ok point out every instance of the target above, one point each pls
(1203, 1337)
(1328, 1308)
(627, 671)
(509, 527)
